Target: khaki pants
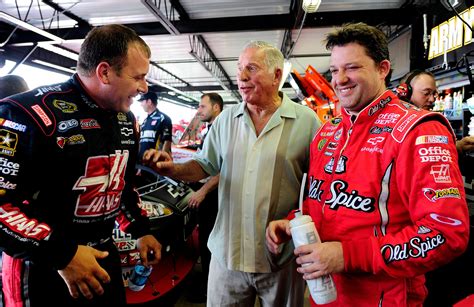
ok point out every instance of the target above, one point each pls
(240, 289)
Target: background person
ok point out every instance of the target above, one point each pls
(260, 149)
(385, 191)
(423, 93)
(419, 88)
(12, 84)
(156, 130)
(68, 157)
(205, 198)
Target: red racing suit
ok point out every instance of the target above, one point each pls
(66, 173)
(386, 184)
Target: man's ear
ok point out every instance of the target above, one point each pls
(103, 71)
(278, 75)
(384, 67)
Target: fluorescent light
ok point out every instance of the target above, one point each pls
(60, 51)
(311, 6)
(32, 28)
(54, 66)
(161, 17)
(286, 71)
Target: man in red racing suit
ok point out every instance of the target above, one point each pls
(386, 184)
(384, 188)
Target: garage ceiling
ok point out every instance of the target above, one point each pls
(195, 49)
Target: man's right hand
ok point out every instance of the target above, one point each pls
(160, 161)
(84, 274)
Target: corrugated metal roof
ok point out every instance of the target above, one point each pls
(172, 52)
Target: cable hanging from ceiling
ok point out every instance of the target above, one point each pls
(309, 6)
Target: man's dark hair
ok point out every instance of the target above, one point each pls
(215, 98)
(11, 85)
(149, 95)
(109, 43)
(372, 39)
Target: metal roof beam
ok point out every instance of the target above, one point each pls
(81, 22)
(159, 73)
(204, 55)
(164, 18)
(252, 23)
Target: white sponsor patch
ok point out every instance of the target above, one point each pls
(431, 139)
(434, 154)
(441, 173)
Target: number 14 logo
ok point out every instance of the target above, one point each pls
(101, 185)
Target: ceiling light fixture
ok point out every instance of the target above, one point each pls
(161, 17)
(60, 51)
(311, 6)
(27, 26)
(154, 81)
(65, 69)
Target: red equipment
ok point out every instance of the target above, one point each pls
(318, 93)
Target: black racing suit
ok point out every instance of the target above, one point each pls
(154, 132)
(66, 176)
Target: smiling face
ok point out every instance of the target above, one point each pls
(129, 82)
(356, 78)
(257, 83)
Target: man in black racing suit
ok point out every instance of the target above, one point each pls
(66, 175)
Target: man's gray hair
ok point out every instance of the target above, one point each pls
(273, 56)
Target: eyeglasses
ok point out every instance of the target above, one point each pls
(427, 93)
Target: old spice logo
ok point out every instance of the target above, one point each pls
(416, 248)
(22, 225)
(351, 200)
(379, 106)
(315, 188)
(379, 130)
(101, 185)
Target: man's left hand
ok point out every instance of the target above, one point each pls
(196, 198)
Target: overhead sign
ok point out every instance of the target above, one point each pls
(449, 36)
